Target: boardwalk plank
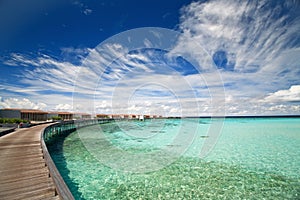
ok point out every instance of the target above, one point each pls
(24, 183)
(23, 171)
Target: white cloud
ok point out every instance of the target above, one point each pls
(290, 95)
(115, 93)
(259, 43)
(83, 7)
(87, 11)
(21, 103)
(64, 107)
(251, 33)
(19, 59)
(48, 74)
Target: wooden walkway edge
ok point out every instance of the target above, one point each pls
(23, 171)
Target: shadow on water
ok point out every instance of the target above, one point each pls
(55, 148)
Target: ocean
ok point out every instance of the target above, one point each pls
(189, 158)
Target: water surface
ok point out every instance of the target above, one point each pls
(254, 158)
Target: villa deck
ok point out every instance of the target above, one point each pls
(23, 170)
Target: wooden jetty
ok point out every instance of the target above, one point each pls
(23, 170)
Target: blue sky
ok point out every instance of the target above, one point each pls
(222, 57)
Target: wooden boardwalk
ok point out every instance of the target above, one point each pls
(23, 171)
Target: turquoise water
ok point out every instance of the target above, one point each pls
(251, 158)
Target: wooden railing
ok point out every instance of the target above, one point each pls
(49, 133)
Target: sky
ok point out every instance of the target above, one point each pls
(171, 58)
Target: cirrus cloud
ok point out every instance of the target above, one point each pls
(254, 44)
